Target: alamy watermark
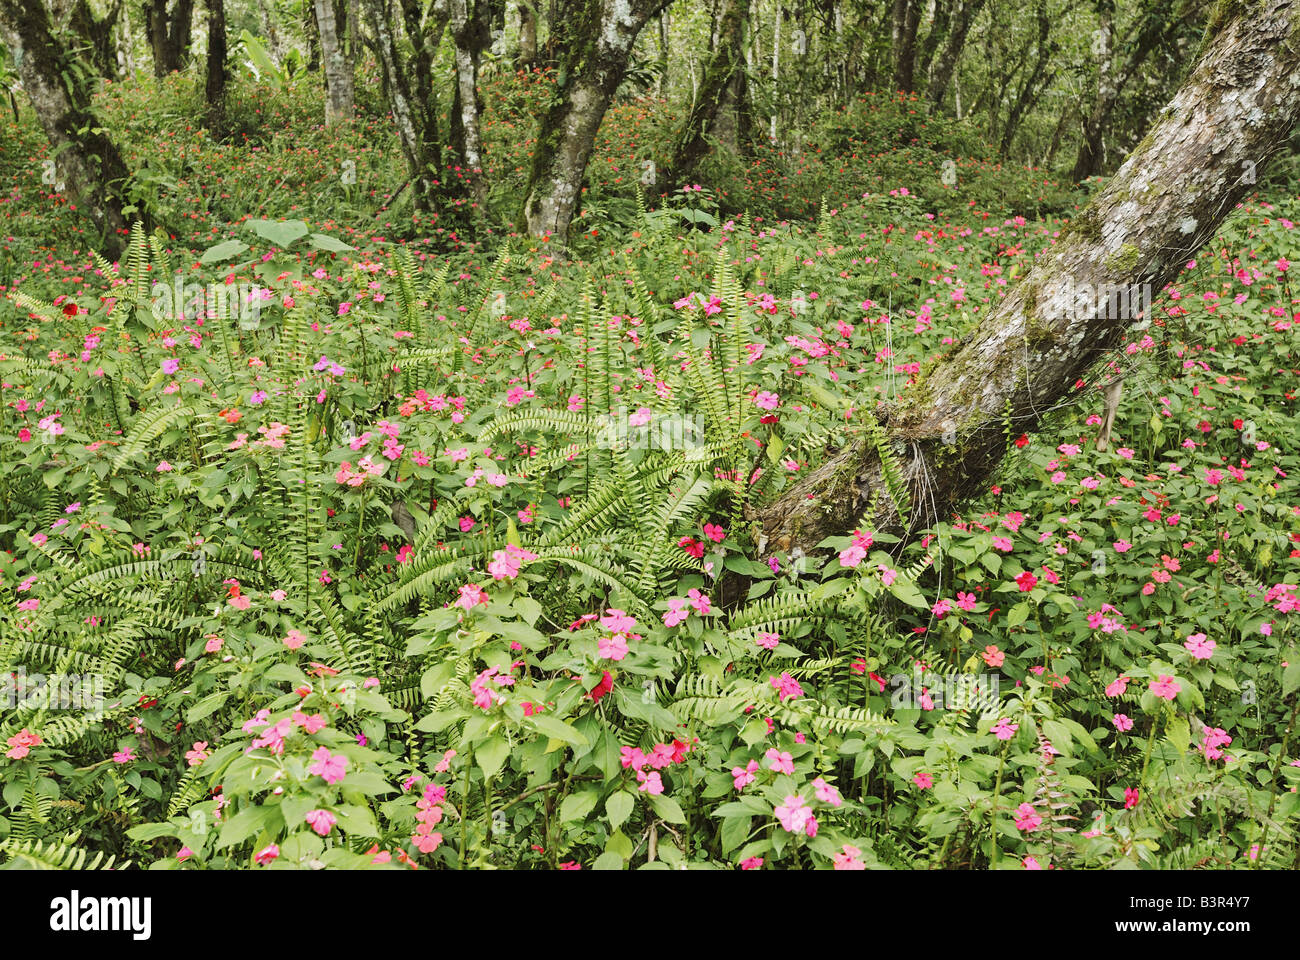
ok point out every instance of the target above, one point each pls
(647, 430)
(210, 301)
(59, 691)
(1109, 301)
(925, 690)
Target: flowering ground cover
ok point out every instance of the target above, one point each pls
(378, 547)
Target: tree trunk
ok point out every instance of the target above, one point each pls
(215, 87)
(1236, 108)
(97, 32)
(178, 35)
(527, 35)
(408, 84)
(595, 38)
(86, 160)
(1154, 22)
(905, 19)
(725, 65)
(1031, 89)
(937, 34)
(947, 60)
(470, 30)
(339, 101)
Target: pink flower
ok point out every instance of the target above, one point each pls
(471, 595)
(786, 687)
(1122, 723)
(198, 754)
(267, 854)
(923, 780)
(295, 639)
(768, 641)
(1117, 687)
(613, 647)
(714, 532)
(616, 621)
(793, 814)
(330, 767)
(827, 793)
(1026, 818)
(779, 760)
(766, 400)
(993, 656)
(641, 417)
(213, 645)
(1026, 581)
(744, 776)
(1199, 647)
(1131, 798)
(1029, 863)
(124, 756)
(753, 863)
(1165, 687)
(322, 821)
(1004, 730)
(966, 601)
(848, 859)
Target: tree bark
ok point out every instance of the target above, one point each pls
(905, 19)
(1236, 108)
(87, 161)
(595, 40)
(339, 99)
(947, 60)
(215, 86)
(1155, 21)
(527, 35)
(727, 62)
(1032, 88)
(408, 84)
(470, 30)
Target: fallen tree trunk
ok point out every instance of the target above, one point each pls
(1234, 111)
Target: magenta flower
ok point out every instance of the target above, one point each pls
(321, 821)
(1166, 687)
(330, 767)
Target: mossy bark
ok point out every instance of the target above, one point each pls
(87, 160)
(720, 76)
(1240, 102)
(595, 38)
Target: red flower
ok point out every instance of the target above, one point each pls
(69, 309)
(1022, 440)
(1026, 581)
(599, 690)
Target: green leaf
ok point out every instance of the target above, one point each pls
(248, 822)
(668, 809)
(557, 729)
(281, 233)
(608, 861)
(577, 806)
(1291, 675)
(491, 754)
(223, 251)
(323, 241)
(1018, 614)
(618, 807)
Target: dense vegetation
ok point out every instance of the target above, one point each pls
(385, 536)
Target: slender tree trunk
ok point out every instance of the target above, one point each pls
(408, 84)
(157, 28)
(470, 31)
(178, 35)
(339, 101)
(1238, 107)
(597, 38)
(936, 35)
(97, 32)
(720, 75)
(215, 87)
(1030, 90)
(527, 35)
(904, 23)
(87, 160)
(1155, 22)
(947, 59)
